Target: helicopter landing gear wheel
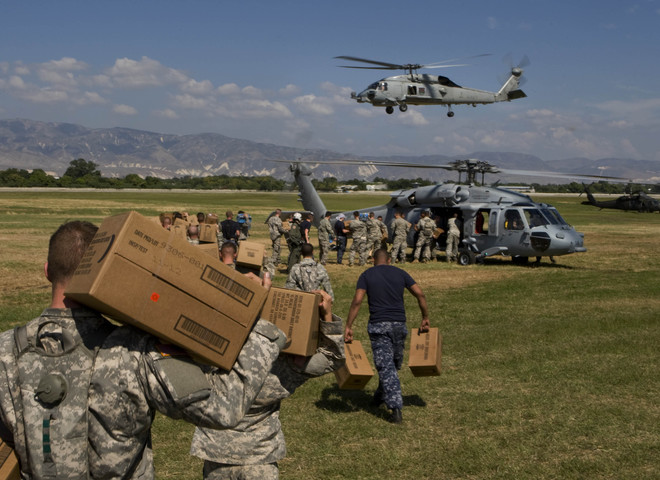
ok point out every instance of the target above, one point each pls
(450, 114)
(465, 257)
(389, 110)
(403, 107)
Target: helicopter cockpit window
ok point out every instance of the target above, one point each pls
(513, 221)
(535, 218)
(412, 89)
(382, 86)
(553, 215)
(373, 86)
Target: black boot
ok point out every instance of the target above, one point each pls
(396, 416)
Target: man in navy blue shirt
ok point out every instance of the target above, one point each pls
(384, 285)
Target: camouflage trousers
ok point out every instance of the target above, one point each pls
(359, 246)
(294, 256)
(387, 344)
(222, 471)
(324, 246)
(398, 251)
(277, 248)
(423, 247)
(373, 244)
(452, 247)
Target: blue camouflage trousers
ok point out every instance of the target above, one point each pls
(387, 344)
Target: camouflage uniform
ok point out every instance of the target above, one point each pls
(251, 449)
(309, 275)
(128, 381)
(387, 345)
(453, 238)
(383, 233)
(325, 230)
(358, 231)
(399, 228)
(425, 226)
(373, 235)
(276, 231)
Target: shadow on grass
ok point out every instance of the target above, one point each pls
(345, 401)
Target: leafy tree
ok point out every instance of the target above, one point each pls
(80, 168)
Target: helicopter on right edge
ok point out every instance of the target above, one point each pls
(637, 201)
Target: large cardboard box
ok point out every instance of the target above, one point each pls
(141, 274)
(357, 371)
(208, 233)
(211, 218)
(209, 249)
(8, 463)
(296, 313)
(250, 257)
(425, 353)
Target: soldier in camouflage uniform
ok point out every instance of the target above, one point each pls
(383, 232)
(424, 227)
(100, 384)
(384, 286)
(399, 228)
(251, 450)
(324, 231)
(373, 233)
(309, 275)
(276, 230)
(358, 230)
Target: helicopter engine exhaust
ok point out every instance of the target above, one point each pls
(449, 195)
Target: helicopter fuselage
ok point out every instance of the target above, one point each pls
(493, 220)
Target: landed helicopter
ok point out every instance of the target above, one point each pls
(495, 221)
(425, 89)
(637, 201)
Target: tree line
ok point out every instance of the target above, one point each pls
(82, 173)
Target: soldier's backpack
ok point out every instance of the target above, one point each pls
(54, 368)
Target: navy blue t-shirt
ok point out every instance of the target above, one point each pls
(385, 286)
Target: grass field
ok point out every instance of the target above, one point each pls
(548, 372)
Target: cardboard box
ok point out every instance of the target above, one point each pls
(425, 353)
(357, 371)
(211, 218)
(8, 463)
(296, 313)
(250, 256)
(180, 230)
(141, 274)
(208, 233)
(209, 249)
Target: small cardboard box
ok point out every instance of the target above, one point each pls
(144, 275)
(251, 256)
(8, 463)
(425, 353)
(211, 218)
(180, 230)
(296, 313)
(208, 233)
(357, 371)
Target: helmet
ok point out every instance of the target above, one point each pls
(297, 216)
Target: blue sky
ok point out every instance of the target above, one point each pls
(264, 71)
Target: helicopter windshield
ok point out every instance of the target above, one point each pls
(553, 216)
(535, 218)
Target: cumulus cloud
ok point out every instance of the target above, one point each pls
(289, 91)
(124, 110)
(88, 98)
(313, 104)
(194, 87)
(166, 113)
(146, 72)
(412, 117)
(251, 91)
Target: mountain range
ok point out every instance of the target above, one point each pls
(120, 151)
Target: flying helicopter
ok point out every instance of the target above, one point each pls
(426, 89)
(495, 221)
(637, 201)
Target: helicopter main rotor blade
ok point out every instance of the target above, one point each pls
(576, 176)
(383, 65)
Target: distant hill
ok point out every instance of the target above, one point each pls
(119, 151)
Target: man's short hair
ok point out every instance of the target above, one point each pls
(356, 213)
(66, 248)
(228, 246)
(327, 214)
(229, 213)
(381, 255)
(307, 250)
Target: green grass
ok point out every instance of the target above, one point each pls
(548, 372)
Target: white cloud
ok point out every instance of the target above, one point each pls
(146, 72)
(16, 82)
(124, 110)
(251, 91)
(197, 88)
(289, 91)
(166, 113)
(190, 101)
(313, 104)
(228, 89)
(88, 98)
(412, 117)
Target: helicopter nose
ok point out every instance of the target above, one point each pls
(371, 94)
